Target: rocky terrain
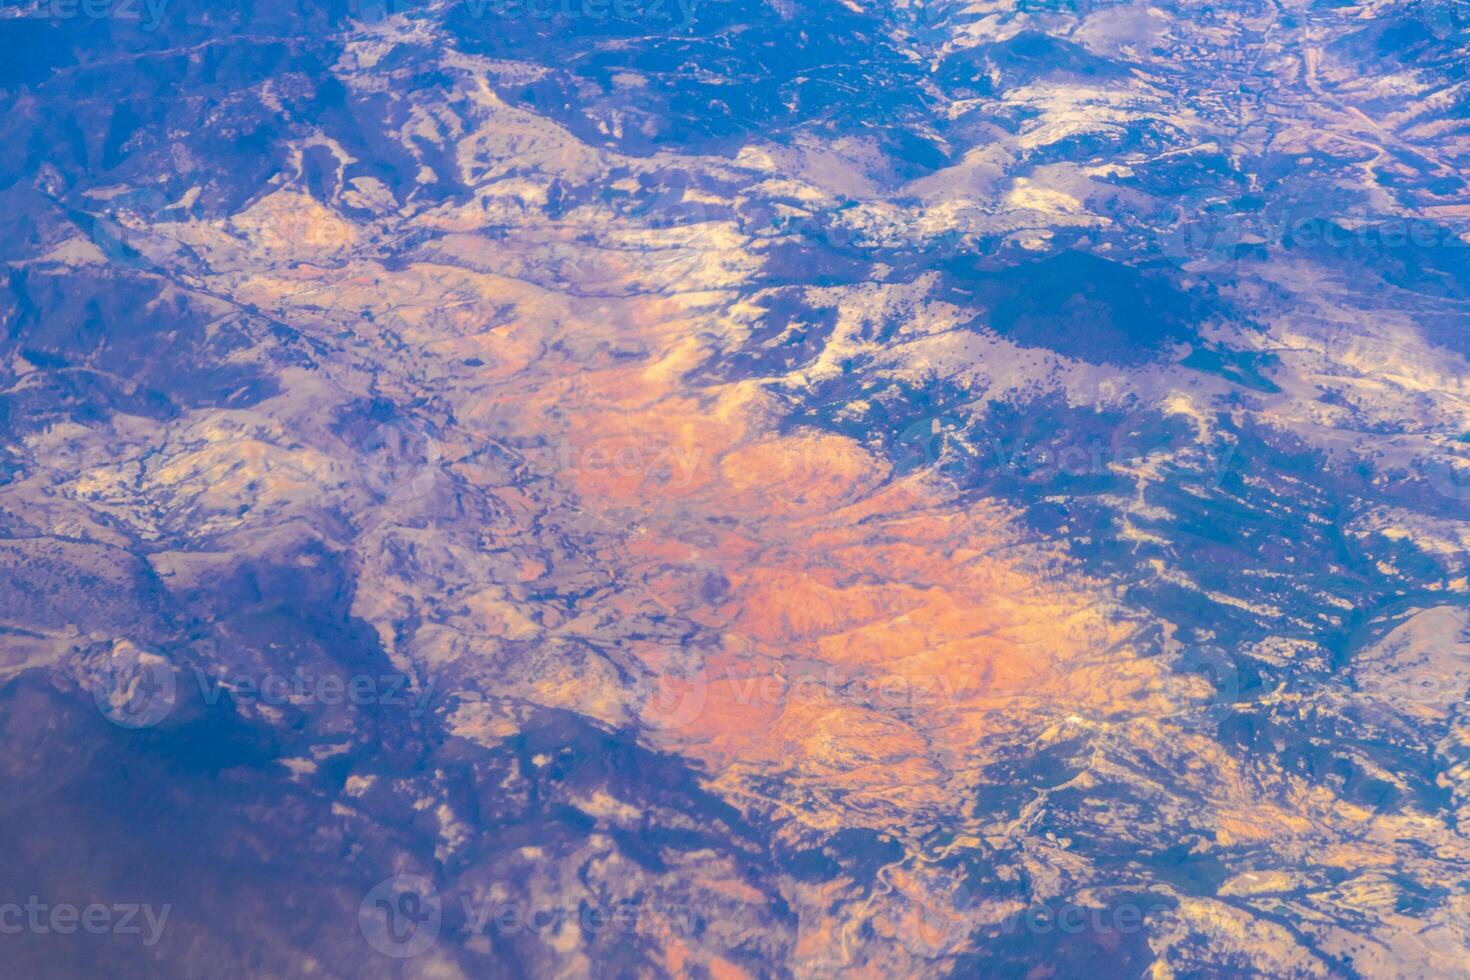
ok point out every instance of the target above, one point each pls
(719, 489)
